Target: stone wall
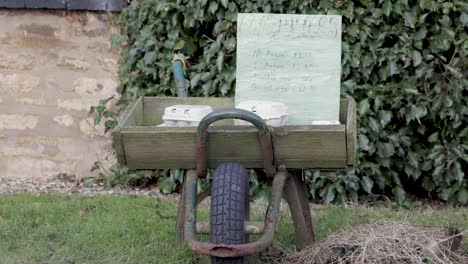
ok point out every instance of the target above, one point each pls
(54, 65)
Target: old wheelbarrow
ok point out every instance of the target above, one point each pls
(281, 152)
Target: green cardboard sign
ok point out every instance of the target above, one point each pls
(293, 59)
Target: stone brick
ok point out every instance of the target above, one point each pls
(96, 88)
(39, 168)
(31, 101)
(15, 83)
(18, 122)
(39, 42)
(23, 167)
(109, 65)
(76, 64)
(99, 46)
(16, 62)
(72, 104)
(64, 120)
(12, 147)
(88, 128)
(38, 29)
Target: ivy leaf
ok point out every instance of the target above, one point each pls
(367, 184)
(409, 19)
(463, 196)
(399, 194)
(150, 57)
(225, 3)
(219, 61)
(179, 44)
(194, 80)
(416, 112)
(417, 58)
(363, 142)
(330, 195)
(457, 171)
(392, 68)
(387, 7)
(464, 19)
(363, 106)
(166, 185)
(385, 117)
(109, 124)
(420, 34)
(213, 7)
(88, 181)
(434, 137)
(413, 159)
(385, 150)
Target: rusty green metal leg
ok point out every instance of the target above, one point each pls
(295, 193)
(181, 210)
(179, 235)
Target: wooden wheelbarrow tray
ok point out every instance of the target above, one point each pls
(140, 144)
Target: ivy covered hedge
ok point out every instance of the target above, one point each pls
(403, 61)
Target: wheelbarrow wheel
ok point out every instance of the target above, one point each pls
(229, 208)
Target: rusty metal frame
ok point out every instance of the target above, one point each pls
(223, 250)
(263, 129)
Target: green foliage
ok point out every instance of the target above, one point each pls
(403, 61)
(112, 176)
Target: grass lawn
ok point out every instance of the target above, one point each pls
(126, 229)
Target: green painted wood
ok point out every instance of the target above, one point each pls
(126, 119)
(300, 147)
(293, 59)
(150, 147)
(351, 132)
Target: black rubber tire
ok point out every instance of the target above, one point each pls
(229, 208)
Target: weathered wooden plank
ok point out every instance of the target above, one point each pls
(139, 112)
(343, 111)
(351, 132)
(129, 115)
(118, 145)
(154, 107)
(300, 147)
(126, 119)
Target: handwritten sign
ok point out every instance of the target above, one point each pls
(293, 59)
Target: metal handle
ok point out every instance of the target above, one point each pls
(265, 137)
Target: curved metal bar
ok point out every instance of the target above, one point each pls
(265, 137)
(223, 250)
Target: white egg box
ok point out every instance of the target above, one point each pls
(273, 113)
(184, 115)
